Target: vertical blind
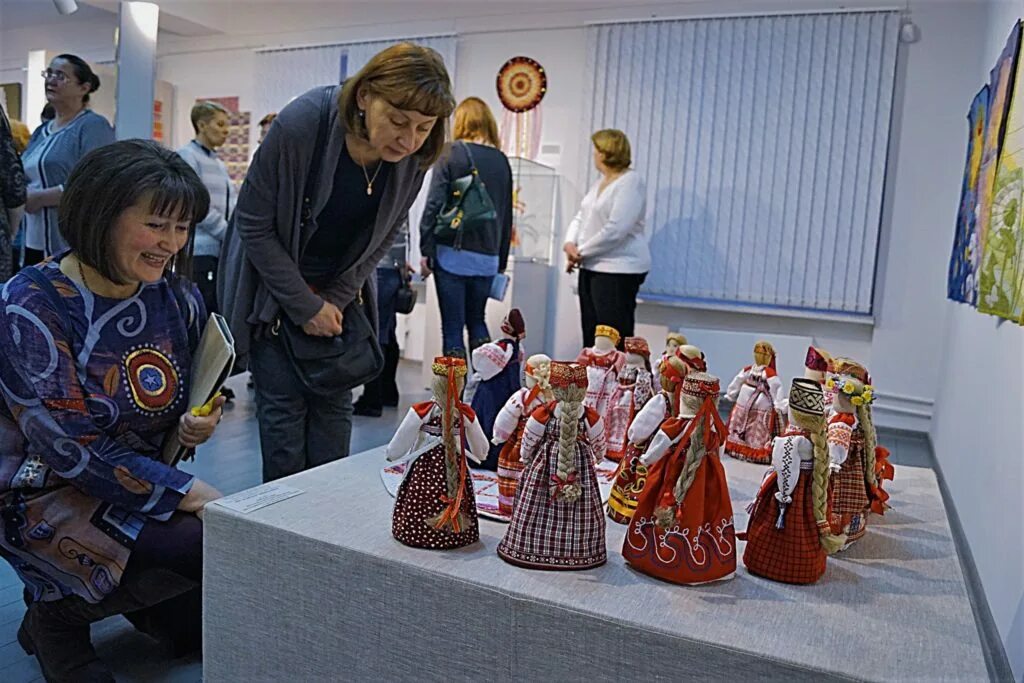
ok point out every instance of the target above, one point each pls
(283, 74)
(763, 143)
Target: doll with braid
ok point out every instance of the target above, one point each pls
(558, 521)
(788, 535)
(435, 506)
(682, 530)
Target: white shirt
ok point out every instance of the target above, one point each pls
(609, 229)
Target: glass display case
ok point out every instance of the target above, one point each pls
(535, 191)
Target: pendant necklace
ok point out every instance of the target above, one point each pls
(369, 180)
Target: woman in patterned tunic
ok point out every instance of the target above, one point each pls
(788, 536)
(435, 506)
(558, 520)
(682, 530)
(98, 346)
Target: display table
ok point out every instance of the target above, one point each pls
(315, 588)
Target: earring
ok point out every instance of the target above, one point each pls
(362, 114)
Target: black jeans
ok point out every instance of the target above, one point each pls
(608, 299)
(384, 389)
(204, 274)
(298, 430)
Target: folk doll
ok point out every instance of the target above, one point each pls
(816, 367)
(673, 340)
(435, 506)
(631, 476)
(853, 447)
(603, 363)
(557, 521)
(788, 535)
(635, 388)
(498, 368)
(758, 397)
(509, 425)
(682, 530)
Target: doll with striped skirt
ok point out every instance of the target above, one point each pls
(758, 396)
(682, 530)
(788, 535)
(510, 423)
(604, 363)
(634, 390)
(558, 521)
(862, 464)
(435, 506)
(631, 476)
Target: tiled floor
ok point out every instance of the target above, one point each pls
(231, 462)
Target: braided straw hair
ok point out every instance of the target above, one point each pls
(696, 449)
(449, 437)
(570, 405)
(867, 424)
(815, 424)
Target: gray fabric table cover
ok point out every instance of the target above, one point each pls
(315, 588)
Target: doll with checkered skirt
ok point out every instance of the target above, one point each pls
(435, 506)
(497, 367)
(862, 464)
(631, 475)
(604, 363)
(510, 423)
(557, 520)
(682, 530)
(788, 534)
(754, 421)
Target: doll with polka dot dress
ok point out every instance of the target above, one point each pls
(435, 506)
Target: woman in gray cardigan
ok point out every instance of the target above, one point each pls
(387, 126)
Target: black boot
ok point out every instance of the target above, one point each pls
(57, 633)
(387, 379)
(177, 623)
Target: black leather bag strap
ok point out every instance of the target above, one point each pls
(317, 161)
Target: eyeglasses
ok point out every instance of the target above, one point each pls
(58, 76)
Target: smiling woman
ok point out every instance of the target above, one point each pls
(103, 336)
(324, 199)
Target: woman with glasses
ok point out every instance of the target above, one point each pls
(55, 148)
(289, 268)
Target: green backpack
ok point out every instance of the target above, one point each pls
(467, 208)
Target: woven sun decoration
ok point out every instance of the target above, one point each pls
(521, 84)
(631, 476)
(756, 417)
(853, 447)
(682, 530)
(435, 506)
(558, 521)
(497, 366)
(788, 535)
(604, 363)
(510, 423)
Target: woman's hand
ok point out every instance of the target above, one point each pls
(37, 200)
(572, 253)
(425, 269)
(197, 498)
(193, 430)
(326, 323)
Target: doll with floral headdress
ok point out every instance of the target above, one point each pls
(682, 530)
(788, 535)
(754, 421)
(631, 475)
(497, 367)
(435, 506)
(862, 464)
(635, 388)
(558, 521)
(510, 423)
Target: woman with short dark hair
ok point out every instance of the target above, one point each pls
(287, 263)
(55, 148)
(98, 345)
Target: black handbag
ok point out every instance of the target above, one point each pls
(405, 297)
(327, 365)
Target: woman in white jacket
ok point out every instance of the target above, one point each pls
(607, 240)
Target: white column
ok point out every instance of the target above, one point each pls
(136, 69)
(35, 89)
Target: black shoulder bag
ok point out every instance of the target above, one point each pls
(327, 365)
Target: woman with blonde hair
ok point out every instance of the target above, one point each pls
(607, 239)
(465, 251)
(324, 198)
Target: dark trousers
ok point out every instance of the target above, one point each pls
(298, 430)
(608, 299)
(384, 389)
(204, 274)
(463, 300)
